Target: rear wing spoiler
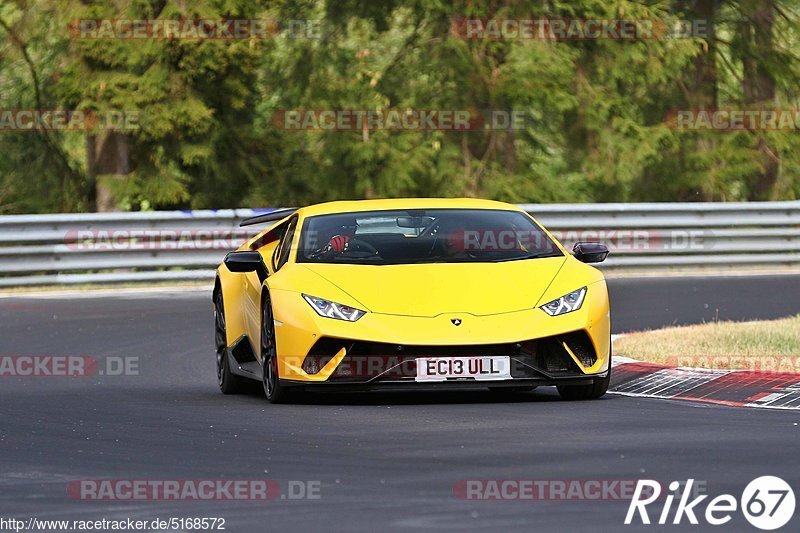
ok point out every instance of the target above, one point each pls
(272, 216)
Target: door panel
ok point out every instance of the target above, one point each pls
(253, 286)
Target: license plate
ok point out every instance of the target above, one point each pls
(488, 368)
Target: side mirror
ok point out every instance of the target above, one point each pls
(247, 262)
(590, 252)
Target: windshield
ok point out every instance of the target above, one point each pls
(423, 236)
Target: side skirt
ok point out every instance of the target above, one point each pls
(243, 360)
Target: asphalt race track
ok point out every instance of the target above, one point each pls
(382, 461)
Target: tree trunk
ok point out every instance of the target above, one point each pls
(758, 85)
(108, 159)
(702, 85)
(91, 172)
(700, 92)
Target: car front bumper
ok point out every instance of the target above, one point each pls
(299, 332)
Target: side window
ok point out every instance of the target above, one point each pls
(286, 244)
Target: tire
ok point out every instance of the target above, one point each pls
(274, 390)
(596, 389)
(229, 383)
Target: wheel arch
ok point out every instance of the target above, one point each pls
(266, 293)
(232, 288)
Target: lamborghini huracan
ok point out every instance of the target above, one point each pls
(410, 293)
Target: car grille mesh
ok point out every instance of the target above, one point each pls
(366, 361)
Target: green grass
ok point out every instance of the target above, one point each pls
(760, 345)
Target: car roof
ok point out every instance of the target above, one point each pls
(349, 206)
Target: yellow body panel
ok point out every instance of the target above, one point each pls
(413, 304)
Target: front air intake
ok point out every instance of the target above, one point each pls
(581, 346)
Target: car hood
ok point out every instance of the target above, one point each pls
(428, 290)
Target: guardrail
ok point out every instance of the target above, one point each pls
(188, 245)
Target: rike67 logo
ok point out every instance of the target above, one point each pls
(767, 502)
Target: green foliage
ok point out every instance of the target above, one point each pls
(207, 135)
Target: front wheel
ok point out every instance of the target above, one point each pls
(595, 390)
(274, 390)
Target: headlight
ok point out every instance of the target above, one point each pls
(566, 304)
(331, 309)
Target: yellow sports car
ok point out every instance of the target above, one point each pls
(410, 293)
